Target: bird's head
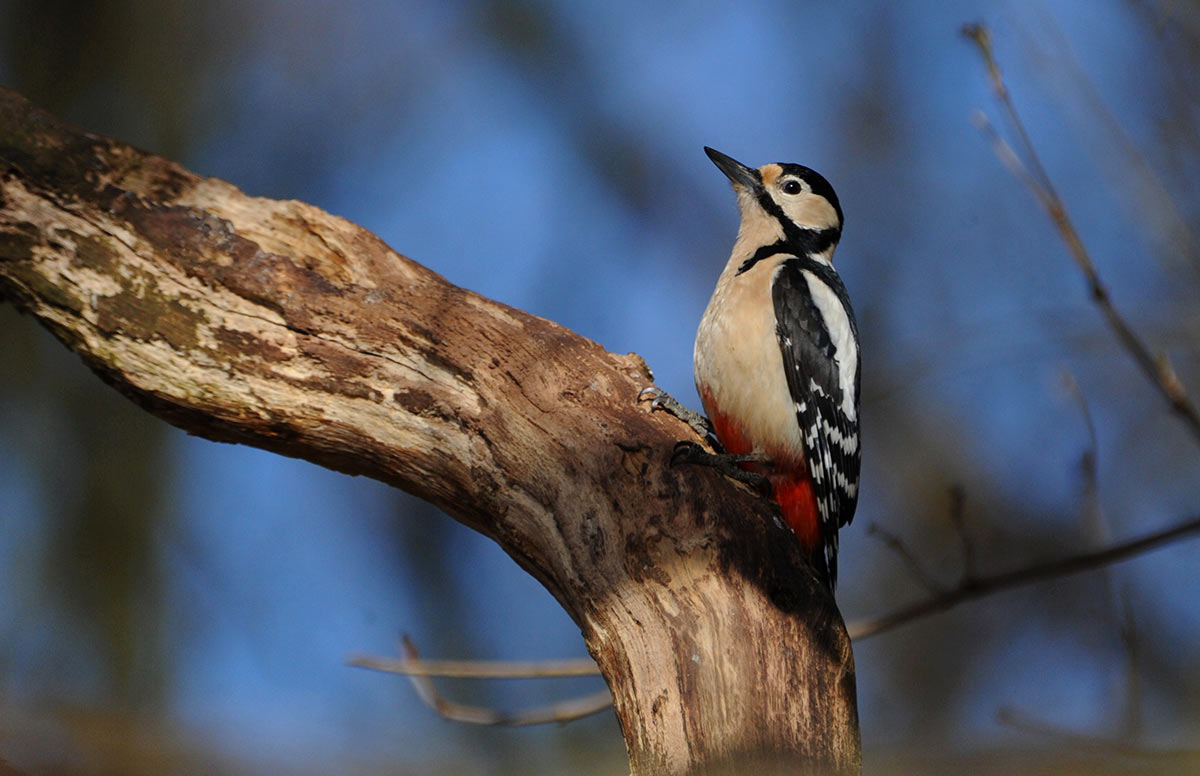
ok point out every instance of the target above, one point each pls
(785, 200)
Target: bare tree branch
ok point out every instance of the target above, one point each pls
(900, 550)
(1157, 369)
(1141, 186)
(277, 325)
(561, 712)
(477, 669)
(958, 519)
(556, 713)
(1064, 737)
(1131, 643)
(970, 589)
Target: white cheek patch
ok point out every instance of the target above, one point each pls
(809, 210)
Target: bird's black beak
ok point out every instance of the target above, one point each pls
(738, 173)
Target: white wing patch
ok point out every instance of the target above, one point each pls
(840, 333)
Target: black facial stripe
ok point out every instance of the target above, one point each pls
(806, 241)
(765, 252)
(802, 243)
(776, 212)
(810, 242)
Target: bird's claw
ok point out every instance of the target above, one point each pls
(687, 452)
(725, 463)
(654, 394)
(661, 400)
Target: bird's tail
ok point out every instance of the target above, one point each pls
(798, 501)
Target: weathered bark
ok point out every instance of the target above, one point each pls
(274, 324)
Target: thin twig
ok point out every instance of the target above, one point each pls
(968, 589)
(419, 673)
(1095, 524)
(1157, 369)
(958, 519)
(1091, 516)
(983, 586)
(983, 40)
(1142, 187)
(560, 713)
(1023, 722)
(1085, 409)
(478, 669)
(1131, 723)
(897, 546)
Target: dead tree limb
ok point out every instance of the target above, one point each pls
(972, 587)
(1157, 368)
(274, 324)
(560, 712)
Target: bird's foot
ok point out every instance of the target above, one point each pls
(726, 463)
(661, 400)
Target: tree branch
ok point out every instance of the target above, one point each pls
(898, 548)
(1156, 369)
(971, 588)
(413, 665)
(1072, 740)
(277, 325)
(421, 677)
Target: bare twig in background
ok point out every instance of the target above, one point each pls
(1091, 517)
(1140, 185)
(897, 546)
(1096, 528)
(969, 589)
(1131, 717)
(988, 585)
(1025, 723)
(1157, 369)
(478, 669)
(983, 40)
(565, 711)
(958, 519)
(560, 713)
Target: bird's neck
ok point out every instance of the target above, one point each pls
(814, 244)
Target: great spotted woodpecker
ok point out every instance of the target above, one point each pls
(776, 359)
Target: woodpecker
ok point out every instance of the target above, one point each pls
(776, 360)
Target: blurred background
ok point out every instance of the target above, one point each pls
(170, 605)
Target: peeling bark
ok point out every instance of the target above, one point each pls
(274, 324)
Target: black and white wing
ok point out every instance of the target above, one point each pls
(819, 340)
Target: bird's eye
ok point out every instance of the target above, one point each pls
(792, 187)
